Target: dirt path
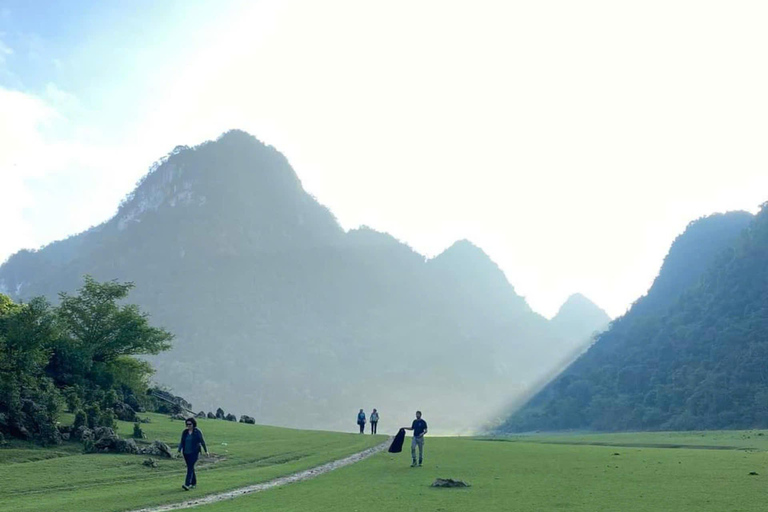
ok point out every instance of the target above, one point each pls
(277, 482)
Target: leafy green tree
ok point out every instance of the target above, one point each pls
(95, 321)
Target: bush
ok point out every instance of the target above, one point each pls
(94, 415)
(72, 399)
(107, 419)
(89, 446)
(81, 419)
(138, 433)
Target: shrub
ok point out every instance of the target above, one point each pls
(81, 419)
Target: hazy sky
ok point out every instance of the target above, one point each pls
(572, 141)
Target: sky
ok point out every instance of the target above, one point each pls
(571, 141)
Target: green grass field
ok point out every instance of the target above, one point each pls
(666, 471)
(539, 473)
(64, 479)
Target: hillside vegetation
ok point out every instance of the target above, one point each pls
(692, 354)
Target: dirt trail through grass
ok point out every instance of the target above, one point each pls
(277, 482)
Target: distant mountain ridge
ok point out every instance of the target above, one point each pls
(281, 314)
(691, 354)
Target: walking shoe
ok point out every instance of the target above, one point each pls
(185, 487)
(413, 465)
(419, 463)
(194, 486)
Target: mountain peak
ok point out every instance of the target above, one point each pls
(580, 317)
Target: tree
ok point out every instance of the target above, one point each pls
(106, 331)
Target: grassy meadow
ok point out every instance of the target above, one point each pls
(532, 473)
(663, 471)
(63, 479)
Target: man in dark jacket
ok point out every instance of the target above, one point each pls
(419, 427)
(191, 441)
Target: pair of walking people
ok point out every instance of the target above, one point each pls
(374, 421)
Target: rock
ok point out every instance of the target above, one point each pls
(66, 436)
(219, 413)
(150, 463)
(231, 417)
(201, 414)
(82, 433)
(106, 438)
(145, 420)
(133, 402)
(449, 482)
(753, 473)
(211, 416)
(124, 412)
(65, 429)
(126, 446)
(178, 417)
(247, 419)
(159, 449)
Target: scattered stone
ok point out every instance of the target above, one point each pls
(231, 417)
(82, 433)
(105, 438)
(158, 449)
(617, 453)
(150, 463)
(247, 419)
(145, 420)
(449, 482)
(201, 414)
(219, 413)
(124, 412)
(211, 416)
(753, 473)
(126, 446)
(65, 436)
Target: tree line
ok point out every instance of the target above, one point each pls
(80, 355)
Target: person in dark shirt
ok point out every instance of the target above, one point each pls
(419, 427)
(361, 421)
(191, 441)
(374, 421)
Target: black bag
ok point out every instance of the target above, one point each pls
(397, 443)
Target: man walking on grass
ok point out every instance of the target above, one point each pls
(419, 427)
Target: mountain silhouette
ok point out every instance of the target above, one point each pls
(281, 314)
(690, 354)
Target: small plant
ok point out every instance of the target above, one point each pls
(81, 419)
(89, 446)
(72, 398)
(138, 433)
(107, 419)
(94, 415)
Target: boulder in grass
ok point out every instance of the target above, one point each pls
(211, 416)
(150, 463)
(158, 449)
(125, 412)
(126, 446)
(220, 413)
(105, 439)
(231, 417)
(247, 419)
(449, 482)
(201, 414)
(178, 416)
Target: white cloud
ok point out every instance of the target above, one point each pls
(52, 185)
